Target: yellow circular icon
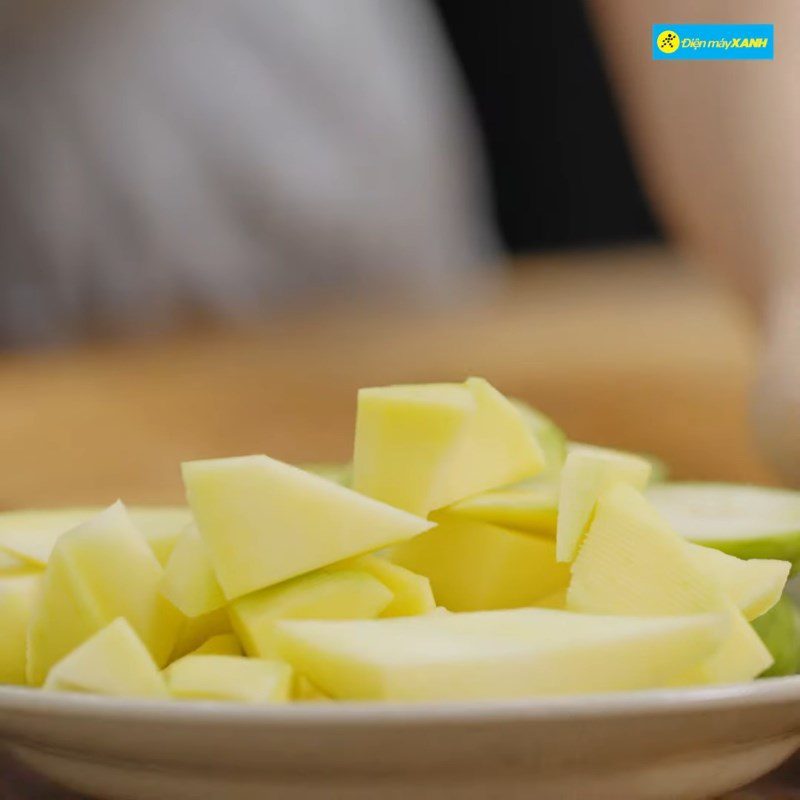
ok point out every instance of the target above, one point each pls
(668, 41)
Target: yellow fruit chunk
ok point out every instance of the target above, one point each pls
(246, 680)
(475, 566)
(193, 631)
(306, 692)
(412, 593)
(335, 594)
(424, 447)
(532, 508)
(101, 570)
(631, 562)
(224, 644)
(754, 585)
(32, 535)
(18, 595)
(113, 661)
(264, 521)
(495, 654)
(587, 473)
(189, 582)
(11, 566)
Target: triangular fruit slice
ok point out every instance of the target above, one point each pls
(325, 594)
(189, 581)
(631, 562)
(754, 585)
(528, 506)
(412, 593)
(101, 570)
(265, 521)
(475, 566)
(427, 446)
(495, 654)
(587, 473)
(32, 535)
(113, 662)
(214, 677)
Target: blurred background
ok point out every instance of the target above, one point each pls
(218, 220)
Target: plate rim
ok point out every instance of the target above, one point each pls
(662, 702)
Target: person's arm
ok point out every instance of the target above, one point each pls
(718, 144)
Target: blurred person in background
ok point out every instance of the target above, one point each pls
(172, 156)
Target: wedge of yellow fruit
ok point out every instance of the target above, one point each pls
(189, 581)
(32, 535)
(631, 562)
(224, 644)
(754, 585)
(265, 521)
(530, 507)
(475, 566)
(193, 631)
(334, 594)
(496, 654)
(101, 570)
(423, 447)
(306, 692)
(18, 596)
(215, 677)
(113, 661)
(552, 440)
(12, 566)
(412, 593)
(587, 473)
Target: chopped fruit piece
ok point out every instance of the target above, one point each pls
(412, 592)
(754, 585)
(496, 654)
(32, 535)
(113, 661)
(530, 507)
(588, 472)
(424, 447)
(325, 594)
(631, 562)
(18, 596)
(552, 440)
(246, 680)
(224, 644)
(475, 566)
(193, 631)
(101, 570)
(264, 521)
(189, 582)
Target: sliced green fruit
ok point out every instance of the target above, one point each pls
(101, 570)
(529, 506)
(234, 678)
(32, 535)
(754, 585)
(113, 661)
(779, 629)
(189, 581)
(552, 440)
(745, 521)
(264, 521)
(18, 596)
(325, 594)
(423, 447)
(631, 562)
(475, 566)
(587, 473)
(495, 654)
(412, 593)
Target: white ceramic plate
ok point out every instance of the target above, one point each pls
(674, 744)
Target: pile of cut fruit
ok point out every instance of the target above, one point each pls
(469, 551)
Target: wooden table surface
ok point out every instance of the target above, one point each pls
(622, 347)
